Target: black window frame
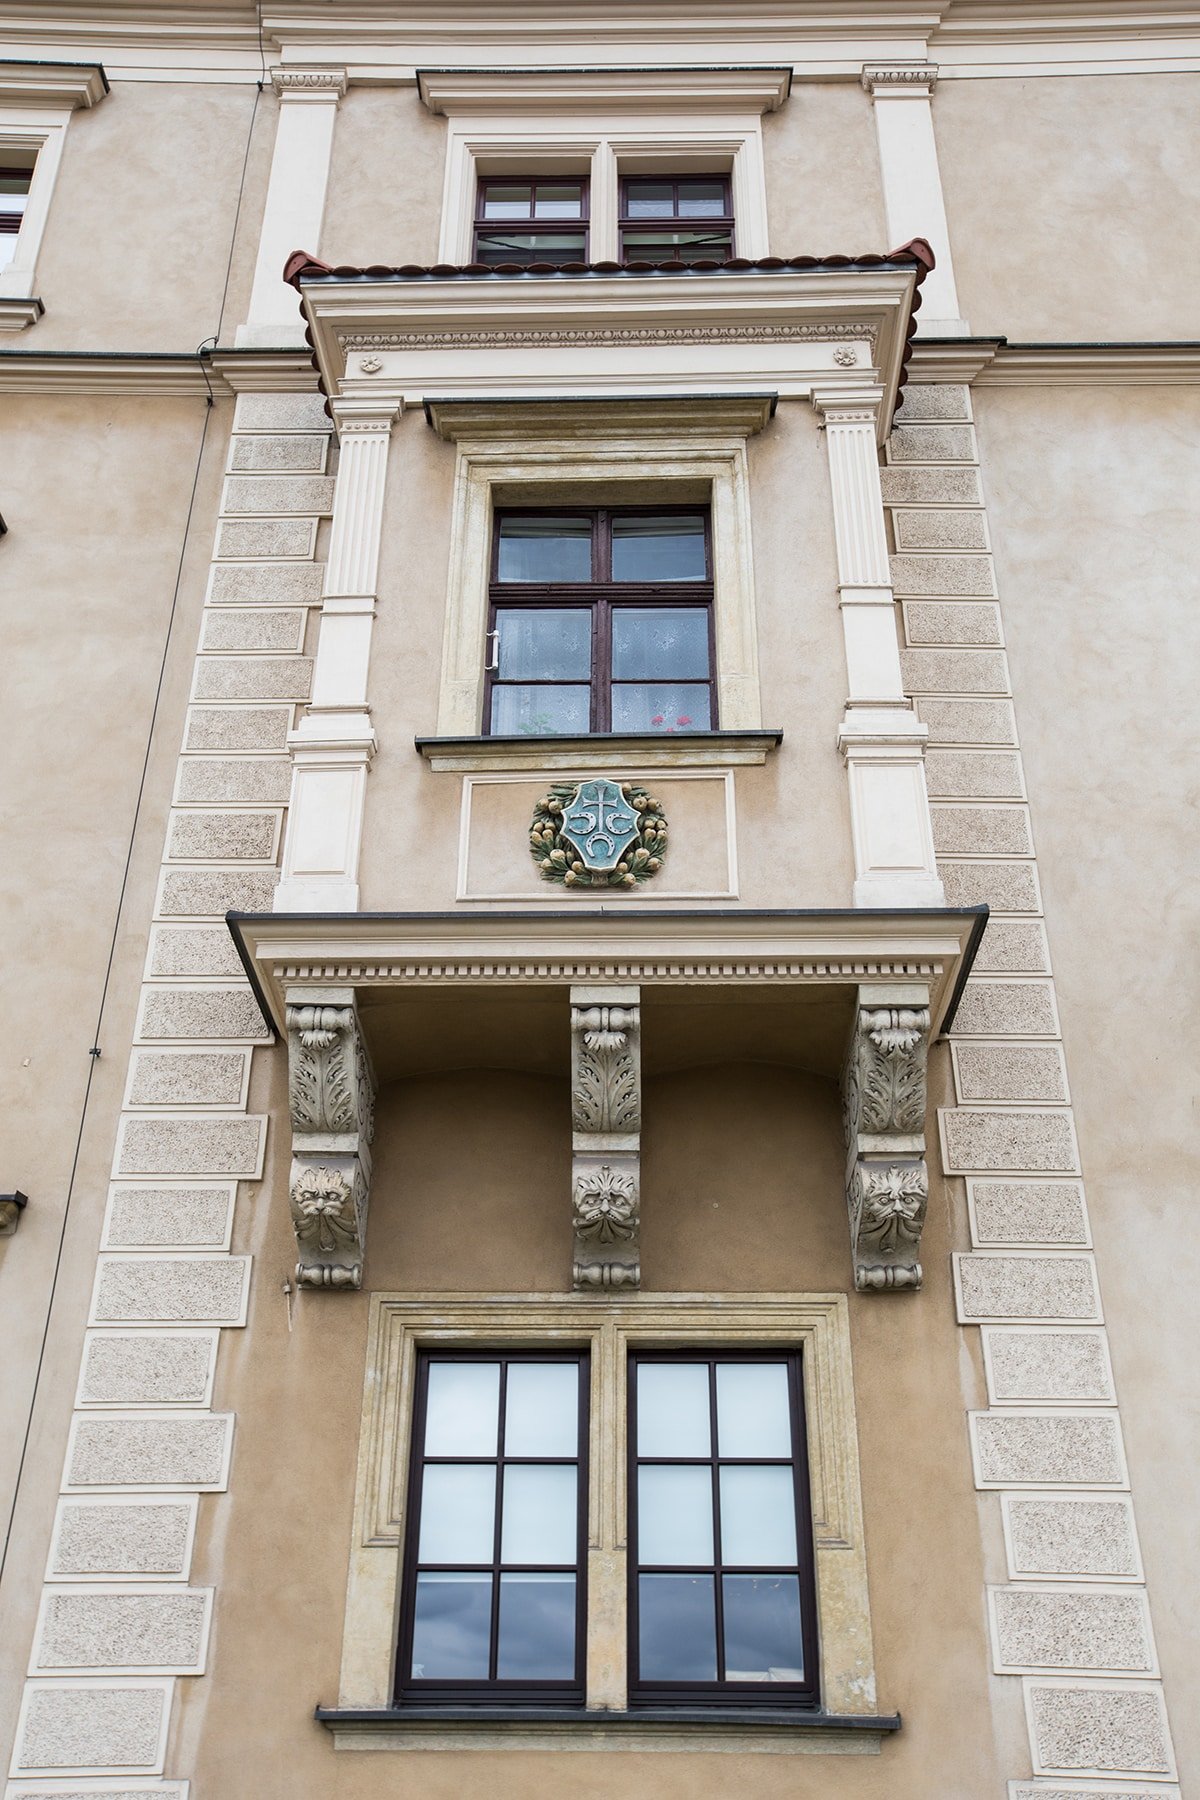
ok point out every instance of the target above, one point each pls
(803, 1696)
(12, 218)
(429, 1692)
(601, 594)
(532, 226)
(673, 220)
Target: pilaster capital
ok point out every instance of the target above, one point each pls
(365, 415)
(900, 80)
(848, 404)
(309, 84)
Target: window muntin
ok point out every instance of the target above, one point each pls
(541, 220)
(722, 1595)
(676, 219)
(494, 1601)
(16, 176)
(600, 622)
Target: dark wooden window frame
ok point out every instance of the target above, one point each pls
(601, 595)
(720, 1693)
(514, 1693)
(672, 221)
(535, 227)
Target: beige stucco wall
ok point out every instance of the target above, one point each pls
(384, 200)
(824, 193)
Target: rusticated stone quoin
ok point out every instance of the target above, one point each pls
(887, 1183)
(606, 1119)
(332, 1099)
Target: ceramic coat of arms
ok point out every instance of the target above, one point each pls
(598, 833)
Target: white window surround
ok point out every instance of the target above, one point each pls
(36, 103)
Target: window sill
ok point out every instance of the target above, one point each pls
(736, 1728)
(16, 312)
(601, 750)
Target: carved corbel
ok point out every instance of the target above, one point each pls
(606, 1120)
(887, 1183)
(331, 1093)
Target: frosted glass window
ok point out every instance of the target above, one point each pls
(463, 1409)
(758, 1515)
(541, 1522)
(672, 1409)
(541, 1413)
(458, 1513)
(675, 1515)
(754, 1413)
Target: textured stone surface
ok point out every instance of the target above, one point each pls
(147, 1368)
(943, 528)
(934, 575)
(1006, 1009)
(1010, 1072)
(936, 400)
(274, 455)
(240, 779)
(103, 1538)
(1027, 1287)
(209, 1290)
(210, 1012)
(281, 412)
(123, 1631)
(954, 671)
(1072, 1629)
(181, 1451)
(199, 837)
(238, 728)
(197, 892)
(997, 830)
(193, 950)
(1061, 1449)
(968, 721)
(973, 775)
(931, 487)
(952, 622)
(986, 1142)
(1122, 1728)
(97, 1726)
(253, 678)
(266, 584)
(1047, 1365)
(1005, 887)
(1051, 1790)
(187, 1077)
(160, 1217)
(153, 1790)
(281, 628)
(310, 494)
(266, 537)
(1053, 1536)
(931, 443)
(1013, 945)
(191, 1145)
(1028, 1212)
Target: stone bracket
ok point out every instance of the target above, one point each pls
(883, 1092)
(606, 1121)
(331, 1096)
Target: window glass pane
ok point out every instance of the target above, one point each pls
(462, 1409)
(544, 643)
(534, 711)
(458, 1503)
(672, 1409)
(541, 1409)
(669, 548)
(537, 1628)
(508, 202)
(754, 1415)
(659, 642)
(541, 1523)
(675, 1515)
(649, 200)
(563, 201)
(758, 1517)
(676, 246)
(527, 247)
(545, 549)
(701, 199)
(663, 707)
(677, 1632)
(762, 1628)
(452, 1628)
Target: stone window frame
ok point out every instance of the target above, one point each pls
(816, 1324)
(36, 103)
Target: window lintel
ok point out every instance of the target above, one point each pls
(755, 88)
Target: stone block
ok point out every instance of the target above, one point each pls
(1015, 946)
(1006, 887)
(295, 455)
(308, 494)
(143, 1790)
(954, 671)
(940, 528)
(1047, 1448)
(238, 728)
(983, 1142)
(1086, 1790)
(1010, 1072)
(149, 1450)
(931, 487)
(267, 537)
(972, 775)
(932, 444)
(209, 836)
(186, 1144)
(952, 622)
(968, 721)
(1098, 1728)
(1028, 1212)
(191, 1215)
(164, 1630)
(188, 1078)
(253, 678)
(930, 576)
(1025, 1285)
(991, 1008)
(1055, 1536)
(147, 1368)
(1092, 1630)
(199, 893)
(265, 584)
(202, 1012)
(99, 1539)
(185, 1290)
(996, 830)
(1043, 1365)
(237, 780)
(281, 412)
(117, 1726)
(233, 628)
(936, 400)
(193, 950)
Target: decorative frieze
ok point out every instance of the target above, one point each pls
(887, 1183)
(606, 1120)
(332, 1097)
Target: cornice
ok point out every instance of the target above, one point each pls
(223, 373)
(993, 362)
(67, 84)
(522, 92)
(735, 415)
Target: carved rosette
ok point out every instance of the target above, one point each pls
(606, 1117)
(887, 1184)
(331, 1093)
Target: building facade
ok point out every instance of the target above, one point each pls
(598, 899)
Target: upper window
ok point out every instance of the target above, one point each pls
(16, 175)
(543, 220)
(689, 219)
(600, 621)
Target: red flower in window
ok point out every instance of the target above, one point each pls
(657, 719)
(683, 719)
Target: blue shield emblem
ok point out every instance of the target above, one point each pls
(600, 825)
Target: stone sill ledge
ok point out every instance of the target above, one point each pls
(600, 750)
(19, 311)
(741, 1729)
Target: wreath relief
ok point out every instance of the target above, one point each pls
(598, 833)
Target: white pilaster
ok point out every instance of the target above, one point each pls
(334, 741)
(295, 207)
(880, 737)
(912, 183)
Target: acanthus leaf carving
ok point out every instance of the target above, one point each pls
(331, 1095)
(887, 1183)
(605, 1089)
(606, 1116)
